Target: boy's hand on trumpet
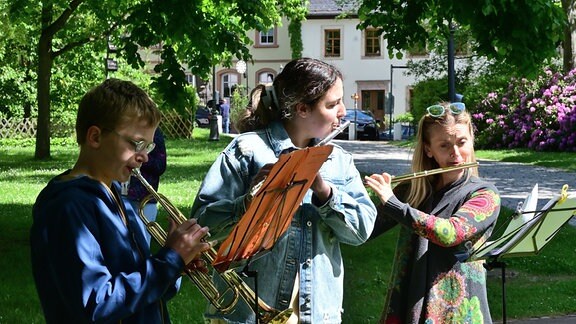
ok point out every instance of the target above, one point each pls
(187, 240)
(381, 185)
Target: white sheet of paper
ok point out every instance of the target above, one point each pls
(530, 204)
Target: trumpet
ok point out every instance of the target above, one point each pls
(236, 287)
(426, 173)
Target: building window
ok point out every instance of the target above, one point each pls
(267, 38)
(365, 100)
(373, 100)
(371, 42)
(380, 100)
(410, 102)
(265, 77)
(190, 79)
(229, 81)
(332, 43)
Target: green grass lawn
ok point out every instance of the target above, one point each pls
(536, 286)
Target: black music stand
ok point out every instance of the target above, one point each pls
(527, 232)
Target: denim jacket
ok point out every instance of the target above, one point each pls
(310, 246)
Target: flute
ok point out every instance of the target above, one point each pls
(334, 133)
(324, 141)
(426, 173)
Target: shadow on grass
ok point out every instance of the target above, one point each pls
(18, 300)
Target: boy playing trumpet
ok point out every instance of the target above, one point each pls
(90, 259)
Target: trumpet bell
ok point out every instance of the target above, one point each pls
(224, 300)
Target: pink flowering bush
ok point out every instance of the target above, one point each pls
(538, 114)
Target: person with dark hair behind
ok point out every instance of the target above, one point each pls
(304, 269)
(133, 191)
(442, 216)
(225, 112)
(90, 260)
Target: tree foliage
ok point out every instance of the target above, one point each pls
(568, 45)
(193, 33)
(17, 68)
(427, 93)
(238, 105)
(474, 77)
(199, 34)
(521, 33)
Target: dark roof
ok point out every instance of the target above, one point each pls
(331, 7)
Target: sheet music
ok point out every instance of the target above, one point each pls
(527, 235)
(513, 227)
(529, 204)
(519, 235)
(548, 225)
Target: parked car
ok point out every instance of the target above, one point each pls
(407, 133)
(203, 117)
(366, 125)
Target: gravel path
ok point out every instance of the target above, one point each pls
(514, 180)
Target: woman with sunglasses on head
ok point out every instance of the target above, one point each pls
(441, 217)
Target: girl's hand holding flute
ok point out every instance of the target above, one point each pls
(381, 184)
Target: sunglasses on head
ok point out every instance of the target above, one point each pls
(455, 108)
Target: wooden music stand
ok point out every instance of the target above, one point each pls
(272, 207)
(528, 231)
(271, 210)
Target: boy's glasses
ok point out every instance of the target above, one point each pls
(455, 108)
(139, 146)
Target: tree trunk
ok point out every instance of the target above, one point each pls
(45, 61)
(568, 50)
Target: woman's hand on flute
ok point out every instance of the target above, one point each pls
(381, 185)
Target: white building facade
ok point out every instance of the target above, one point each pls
(362, 57)
(369, 73)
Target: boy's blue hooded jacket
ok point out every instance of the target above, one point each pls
(90, 261)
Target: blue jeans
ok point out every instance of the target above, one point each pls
(226, 125)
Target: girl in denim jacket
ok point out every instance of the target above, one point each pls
(304, 269)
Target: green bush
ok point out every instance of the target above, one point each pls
(426, 93)
(538, 114)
